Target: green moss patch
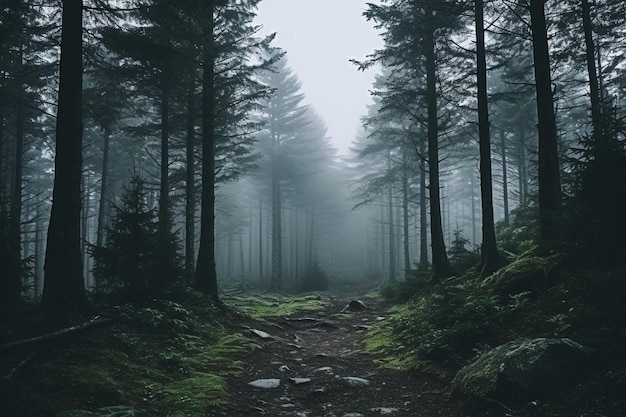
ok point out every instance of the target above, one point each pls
(261, 306)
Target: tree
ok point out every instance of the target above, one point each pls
(64, 291)
(284, 117)
(206, 273)
(129, 262)
(549, 172)
(490, 255)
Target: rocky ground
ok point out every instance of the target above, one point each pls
(313, 365)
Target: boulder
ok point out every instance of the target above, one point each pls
(523, 368)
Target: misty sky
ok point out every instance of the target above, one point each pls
(320, 36)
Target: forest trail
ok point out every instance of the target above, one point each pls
(324, 372)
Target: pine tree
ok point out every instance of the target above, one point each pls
(135, 261)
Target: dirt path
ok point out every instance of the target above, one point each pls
(323, 372)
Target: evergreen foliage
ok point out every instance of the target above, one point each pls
(137, 258)
(597, 194)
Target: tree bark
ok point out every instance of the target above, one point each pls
(405, 215)
(590, 51)
(206, 274)
(260, 240)
(440, 263)
(14, 272)
(549, 174)
(489, 249)
(277, 235)
(392, 243)
(190, 188)
(423, 264)
(505, 178)
(64, 291)
(103, 190)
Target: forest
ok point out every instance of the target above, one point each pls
(181, 236)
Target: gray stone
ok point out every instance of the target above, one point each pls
(385, 410)
(300, 381)
(265, 383)
(523, 367)
(261, 334)
(354, 381)
(353, 415)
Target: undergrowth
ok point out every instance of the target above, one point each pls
(169, 357)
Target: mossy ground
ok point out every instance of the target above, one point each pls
(260, 306)
(536, 296)
(170, 358)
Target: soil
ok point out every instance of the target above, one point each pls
(325, 347)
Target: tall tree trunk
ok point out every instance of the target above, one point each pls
(473, 191)
(260, 240)
(391, 225)
(38, 248)
(590, 52)
(423, 264)
(405, 216)
(164, 187)
(277, 232)
(190, 187)
(85, 227)
(104, 183)
(64, 290)
(549, 174)
(489, 249)
(440, 263)
(505, 178)
(14, 289)
(206, 274)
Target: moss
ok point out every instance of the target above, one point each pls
(258, 306)
(176, 368)
(530, 272)
(381, 342)
(191, 396)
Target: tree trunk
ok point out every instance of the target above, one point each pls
(103, 190)
(85, 227)
(206, 274)
(277, 232)
(260, 240)
(14, 289)
(423, 264)
(489, 249)
(549, 174)
(590, 51)
(440, 263)
(392, 242)
(405, 215)
(64, 290)
(505, 178)
(190, 188)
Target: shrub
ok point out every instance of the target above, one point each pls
(449, 323)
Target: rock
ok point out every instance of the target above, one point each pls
(384, 410)
(325, 369)
(265, 383)
(353, 415)
(522, 368)
(300, 381)
(261, 334)
(354, 381)
(283, 368)
(355, 305)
